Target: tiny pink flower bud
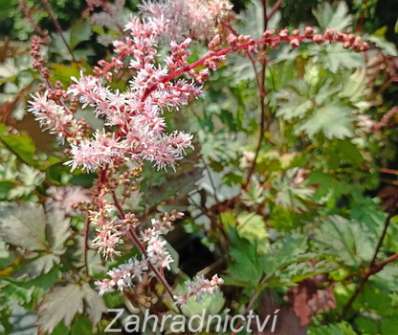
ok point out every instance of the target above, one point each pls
(318, 38)
(309, 32)
(295, 42)
(284, 33)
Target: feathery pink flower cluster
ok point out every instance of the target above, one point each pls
(123, 277)
(140, 133)
(109, 230)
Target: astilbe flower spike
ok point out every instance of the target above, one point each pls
(134, 127)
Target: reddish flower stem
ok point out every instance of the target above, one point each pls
(264, 41)
(132, 235)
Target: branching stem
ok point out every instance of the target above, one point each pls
(132, 235)
(55, 21)
(374, 266)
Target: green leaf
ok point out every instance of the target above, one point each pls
(64, 73)
(246, 267)
(6, 6)
(342, 153)
(79, 32)
(5, 188)
(251, 19)
(289, 195)
(336, 17)
(251, 226)
(335, 57)
(387, 47)
(284, 252)
(294, 102)
(389, 326)
(16, 291)
(346, 240)
(29, 227)
(81, 326)
(333, 120)
(21, 145)
(366, 325)
(23, 226)
(329, 189)
(342, 328)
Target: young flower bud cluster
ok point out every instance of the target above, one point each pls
(123, 277)
(296, 37)
(199, 287)
(156, 254)
(38, 60)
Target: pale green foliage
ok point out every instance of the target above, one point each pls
(317, 105)
(333, 16)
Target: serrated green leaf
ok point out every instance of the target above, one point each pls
(245, 269)
(251, 226)
(22, 146)
(346, 240)
(333, 120)
(283, 253)
(328, 188)
(333, 16)
(387, 47)
(294, 102)
(290, 195)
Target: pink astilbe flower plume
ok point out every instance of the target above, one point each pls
(50, 115)
(101, 151)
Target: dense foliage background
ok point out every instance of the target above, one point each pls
(311, 231)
